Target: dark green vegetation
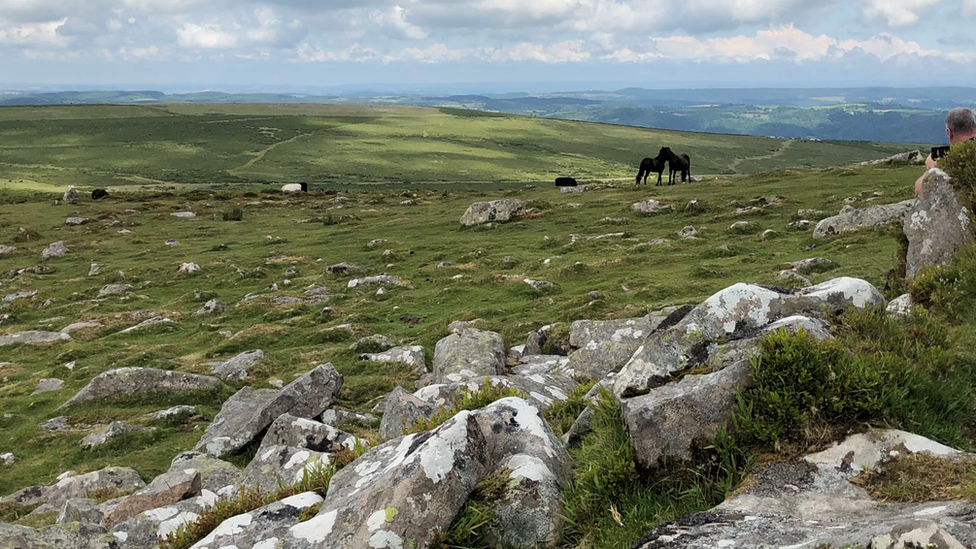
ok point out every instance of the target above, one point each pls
(335, 146)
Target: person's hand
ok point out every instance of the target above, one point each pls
(930, 162)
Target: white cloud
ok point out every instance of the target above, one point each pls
(897, 13)
(33, 34)
(194, 36)
(969, 8)
(395, 22)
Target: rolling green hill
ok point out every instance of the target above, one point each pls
(341, 146)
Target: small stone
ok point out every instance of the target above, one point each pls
(850, 200)
(444, 264)
(114, 429)
(189, 268)
(688, 232)
(114, 289)
(802, 225)
(171, 412)
(6, 250)
(94, 269)
(70, 196)
(381, 291)
(184, 215)
(276, 383)
(146, 323)
(47, 385)
(739, 225)
(7, 459)
(376, 242)
(70, 366)
(57, 424)
(172, 242)
(55, 249)
(214, 306)
(286, 282)
(292, 271)
(75, 221)
(538, 284)
(226, 333)
(768, 234)
(339, 268)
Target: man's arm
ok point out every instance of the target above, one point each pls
(929, 164)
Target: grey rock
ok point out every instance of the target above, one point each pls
(340, 268)
(401, 411)
(145, 530)
(739, 225)
(7, 250)
(372, 342)
(736, 312)
(688, 232)
(81, 510)
(278, 466)
(538, 284)
(647, 207)
(382, 279)
(78, 326)
(212, 307)
(303, 433)
(285, 300)
(75, 221)
(55, 249)
(807, 266)
(791, 276)
(70, 196)
(189, 268)
(32, 338)
(121, 479)
(851, 219)
(937, 225)
(56, 424)
(530, 365)
(480, 213)
(335, 417)
(171, 412)
(457, 326)
(428, 477)
(900, 306)
(802, 224)
(813, 503)
(910, 157)
(412, 356)
(270, 527)
(131, 381)
(172, 242)
(10, 298)
(7, 459)
(470, 353)
(114, 289)
(376, 242)
(166, 489)
(215, 475)
(114, 430)
(809, 213)
(147, 323)
(574, 190)
(47, 385)
(605, 346)
(74, 536)
(184, 215)
(237, 368)
(250, 411)
(319, 294)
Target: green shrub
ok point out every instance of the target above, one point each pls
(470, 527)
(960, 164)
(948, 289)
(562, 414)
(467, 400)
(234, 214)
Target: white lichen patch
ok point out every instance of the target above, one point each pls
(168, 526)
(300, 458)
(540, 398)
(385, 540)
(931, 511)
(316, 529)
(529, 467)
(740, 303)
(437, 455)
(858, 293)
(303, 500)
(529, 419)
(163, 513)
(376, 520)
(270, 543)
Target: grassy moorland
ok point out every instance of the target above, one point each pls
(49, 148)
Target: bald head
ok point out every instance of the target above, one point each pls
(960, 125)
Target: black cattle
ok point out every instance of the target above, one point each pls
(99, 194)
(565, 182)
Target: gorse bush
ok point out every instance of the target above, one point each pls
(467, 400)
(234, 214)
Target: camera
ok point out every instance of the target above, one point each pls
(939, 152)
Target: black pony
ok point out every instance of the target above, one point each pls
(678, 163)
(649, 166)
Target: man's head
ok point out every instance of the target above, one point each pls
(960, 125)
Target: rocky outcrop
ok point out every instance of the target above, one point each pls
(130, 381)
(114, 289)
(401, 411)
(273, 526)
(114, 430)
(497, 210)
(937, 225)
(250, 411)
(605, 346)
(411, 487)
(737, 312)
(900, 306)
(121, 479)
(32, 338)
(299, 432)
(164, 490)
(851, 219)
(412, 356)
(212, 307)
(277, 466)
(469, 353)
(55, 249)
(812, 503)
(70, 196)
(145, 530)
(237, 368)
(648, 207)
(215, 475)
(80, 536)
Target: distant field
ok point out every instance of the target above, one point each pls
(347, 145)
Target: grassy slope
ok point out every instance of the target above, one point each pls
(98, 146)
(630, 280)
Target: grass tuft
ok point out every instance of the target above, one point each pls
(467, 400)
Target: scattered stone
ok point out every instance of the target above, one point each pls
(811, 214)
(849, 201)
(215, 475)
(32, 338)
(146, 323)
(114, 429)
(184, 215)
(70, 196)
(688, 232)
(374, 243)
(75, 221)
(739, 225)
(469, 353)
(851, 219)
(341, 267)
(383, 279)
(275, 466)
(694, 206)
(458, 326)
(212, 307)
(801, 225)
(746, 210)
(605, 346)
(189, 268)
(278, 523)
(444, 264)
(937, 225)
(373, 343)
(172, 242)
(164, 490)
(237, 368)
(250, 411)
(538, 284)
(114, 289)
(7, 250)
(7, 459)
(807, 266)
(911, 157)
(791, 276)
(78, 326)
(171, 412)
(577, 189)
(8, 299)
(56, 424)
(335, 417)
(47, 385)
(131, 212)
(412, 356)
(900, 306)
(480, 213)
(121, 479)
(131, 381)
(647, 207)
(768, 234)
(80, 510)
(303, 433)
(55, 249)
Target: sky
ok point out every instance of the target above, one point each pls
(279, 45)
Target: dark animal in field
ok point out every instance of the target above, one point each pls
(565, 182)
(679, 163)
(649, 166)
(295, 187)
(99, 194)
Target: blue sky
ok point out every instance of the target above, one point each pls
(309, 44)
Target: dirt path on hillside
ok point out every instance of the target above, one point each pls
(779, 152)
(258, 156)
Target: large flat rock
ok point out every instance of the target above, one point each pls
(130, 381)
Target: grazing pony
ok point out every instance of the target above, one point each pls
(99, 193)
(649, 166)
(565, 181)
(678, 163)
(295, 187)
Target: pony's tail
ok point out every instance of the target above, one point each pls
(640, 174)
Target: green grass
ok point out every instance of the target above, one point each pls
(343, 146)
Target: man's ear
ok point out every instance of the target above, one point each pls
(949, 134)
